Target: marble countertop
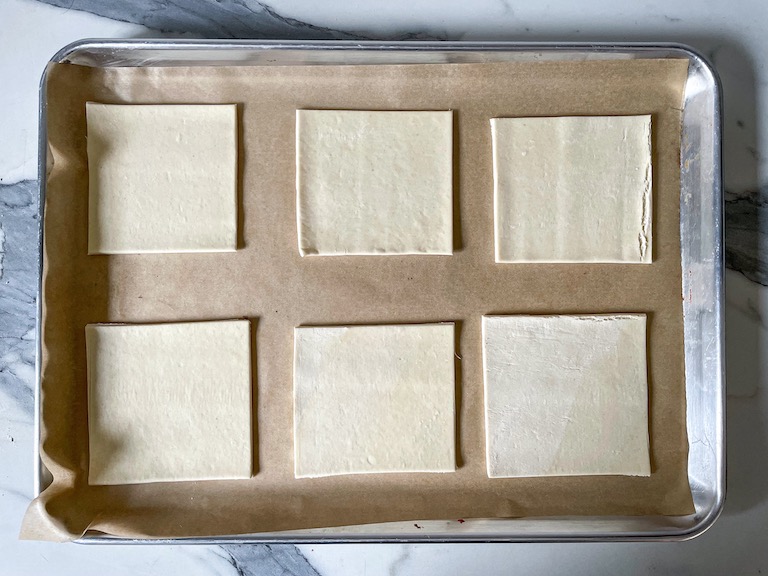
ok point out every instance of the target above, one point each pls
(731, 34)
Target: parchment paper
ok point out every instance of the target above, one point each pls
(268, 282)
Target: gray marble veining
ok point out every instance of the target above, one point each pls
(221, 19)
(746, 236)
(18, 286)
(267, 560)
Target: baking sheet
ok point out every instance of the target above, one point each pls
(269, 283)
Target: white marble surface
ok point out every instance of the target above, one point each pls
(730, 32)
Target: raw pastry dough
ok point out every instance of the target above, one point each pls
(169, 402)
(572, 189)
(162, 178)
(374, 182)
(370, 399)
(565, 395)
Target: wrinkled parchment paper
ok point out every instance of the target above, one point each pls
(268, 282)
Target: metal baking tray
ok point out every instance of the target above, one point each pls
(701, 226)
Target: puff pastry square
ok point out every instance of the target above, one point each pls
(162, 178)
(566, 395)
(572, 189)
(372, 399)
(169, 402)
(374, 182)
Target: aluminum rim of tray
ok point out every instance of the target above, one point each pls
(701, 228)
